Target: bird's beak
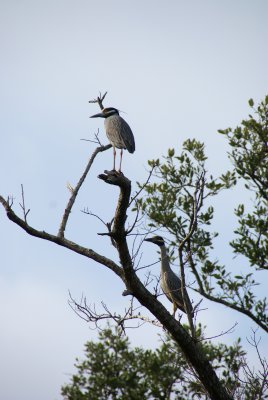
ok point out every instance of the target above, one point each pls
(100, 115)
(148, 240)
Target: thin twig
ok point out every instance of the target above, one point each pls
(143, 186)
(89, 314)
(134, 223)
(97, 141)
(23, 206)
(87, 212)
(230, 330)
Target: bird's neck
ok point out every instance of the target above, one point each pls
(164, 259)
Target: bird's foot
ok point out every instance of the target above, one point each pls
(115, 172)
(114, 178)
(111, 172)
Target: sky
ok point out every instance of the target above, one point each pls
(177, 70)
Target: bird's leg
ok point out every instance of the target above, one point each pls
(114, 158)
(121, 155)
(174, 309)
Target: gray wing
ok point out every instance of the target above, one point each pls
(119, 133)
(171, 286)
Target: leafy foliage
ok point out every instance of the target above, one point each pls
(113, 370)
(249, 143)
(177, 201)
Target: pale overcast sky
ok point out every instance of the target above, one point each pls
(177, 69)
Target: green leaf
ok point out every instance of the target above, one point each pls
(171, 153)
(251, 102)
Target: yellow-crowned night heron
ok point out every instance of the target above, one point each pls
(169, 281)
(118, 132)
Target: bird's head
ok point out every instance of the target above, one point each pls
(158, 240)
(106, 112)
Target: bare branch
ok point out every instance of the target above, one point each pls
(96, 141)
(74, 191)
(230, 330)
(99, 100)
(23, 206)
(107, 224)
(90, 314)
(134, 223)
(255, 381)
(87, 212)
(61, 241)
(143, 186)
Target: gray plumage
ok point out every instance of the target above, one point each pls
(118, 131)
(170, 283)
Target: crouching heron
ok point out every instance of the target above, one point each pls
(118, 132)
(170, 283)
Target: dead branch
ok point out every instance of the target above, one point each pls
(254, 381)
(143, 186)
(91, 315)
(74, 191)
(230, 330)
(87, 212)
(96, 141)
(135, 222)
(99, 100)
(23, 206)
(61, 241)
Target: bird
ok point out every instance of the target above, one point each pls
(170, 283)
(118, 132)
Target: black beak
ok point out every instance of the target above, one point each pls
(149, 240)
(100, 115)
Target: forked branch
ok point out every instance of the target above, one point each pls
(131, 314)
(23, 205)
(99, 100)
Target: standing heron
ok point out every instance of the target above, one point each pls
(118, 132)
(169, 281)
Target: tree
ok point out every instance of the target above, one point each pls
(113, 370)
(177, 201)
